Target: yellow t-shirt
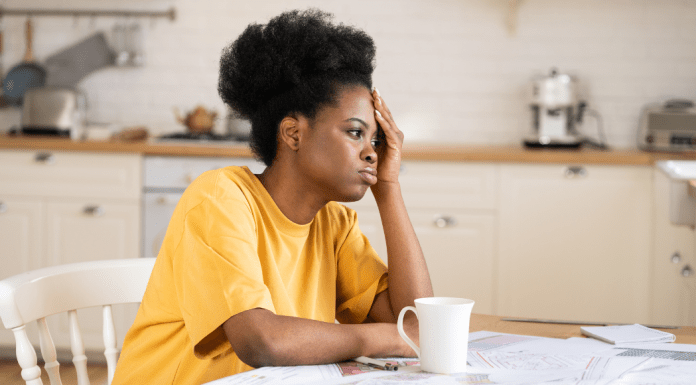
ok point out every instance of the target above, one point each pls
(228, 248)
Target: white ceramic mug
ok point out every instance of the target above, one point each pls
(443, 325)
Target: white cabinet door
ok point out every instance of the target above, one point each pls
(79, 231)
(575, 242)
(87, 230)
(452, 209)
(21, 235)
(673, 294)
(21, 241)
(459, 250)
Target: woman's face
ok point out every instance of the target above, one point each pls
(338, 149)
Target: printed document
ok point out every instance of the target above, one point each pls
(500, 358)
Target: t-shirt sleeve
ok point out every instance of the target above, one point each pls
(361, 275)
(217, 269)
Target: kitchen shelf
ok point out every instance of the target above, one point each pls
(170, 14)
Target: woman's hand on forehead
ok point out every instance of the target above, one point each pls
(390, 150)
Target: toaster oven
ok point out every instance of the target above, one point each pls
(669, 126)
(53, 111)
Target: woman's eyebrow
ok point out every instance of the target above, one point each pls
(362, 122)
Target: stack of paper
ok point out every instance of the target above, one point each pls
(627, 334)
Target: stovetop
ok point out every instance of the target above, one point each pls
(198, 137)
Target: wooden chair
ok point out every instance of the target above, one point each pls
(35, 295)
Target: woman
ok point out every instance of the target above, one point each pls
(254, 269)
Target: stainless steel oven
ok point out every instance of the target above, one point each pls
(165, 179)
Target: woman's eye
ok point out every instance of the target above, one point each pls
(355, 133)
(376, 142)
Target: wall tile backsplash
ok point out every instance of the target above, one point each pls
(452, 71)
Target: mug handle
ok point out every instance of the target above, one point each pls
(400, 328)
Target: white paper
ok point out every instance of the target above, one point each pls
(656, 371)
(272, 375)
(526, 361)
(556, 346)
(500, 358)
(627, 334)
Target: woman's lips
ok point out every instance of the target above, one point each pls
(369, 175)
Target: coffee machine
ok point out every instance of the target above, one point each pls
(556, 112)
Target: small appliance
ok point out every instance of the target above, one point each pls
(668, 126)
(53, 111)
(557, 110)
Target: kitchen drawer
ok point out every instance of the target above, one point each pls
(62, 174)
(445, 184)
(183, 170)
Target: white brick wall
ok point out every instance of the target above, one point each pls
(449, 69)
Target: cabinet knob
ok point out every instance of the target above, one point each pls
(3, 207)
(45, 158)
(95, 211)
(575, 172)
(675, 258)
(687, 271)
(443, 221)
(189, 178)
(162, 200)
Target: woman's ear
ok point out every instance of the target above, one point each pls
(289, 131)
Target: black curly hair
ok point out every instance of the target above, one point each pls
(295, 64)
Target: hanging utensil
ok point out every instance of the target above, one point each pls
(67, 67)
(136, 44)
(120, 43)
(27, 74)
(2, 68)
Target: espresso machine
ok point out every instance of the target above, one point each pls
(556, 112)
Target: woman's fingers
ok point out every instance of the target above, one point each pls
(384, 118)
(384, 105)
(379, 104)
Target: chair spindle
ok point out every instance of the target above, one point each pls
(48, 352)
(110, 351)
(78, 349)
(26, 356)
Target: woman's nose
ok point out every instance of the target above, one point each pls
(369, 154)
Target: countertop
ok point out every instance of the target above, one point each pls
(411, 151)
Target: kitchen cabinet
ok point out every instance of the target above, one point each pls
(575, 242)
(20, 220)
(452, 207)
(60, 208)
(673, 283)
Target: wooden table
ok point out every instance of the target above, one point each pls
(685, 334)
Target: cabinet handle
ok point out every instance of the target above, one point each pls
(687, 271)
(676, 257)
(443, 221)
(95, 211)
(45, 158)
(3, 207)
(575, 172)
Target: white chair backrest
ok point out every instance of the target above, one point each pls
(35, 295)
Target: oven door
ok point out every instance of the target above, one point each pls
(158, 208)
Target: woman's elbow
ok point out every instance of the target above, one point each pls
(257, 351)
(254, 344)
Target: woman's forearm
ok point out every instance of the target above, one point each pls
(408, 273)
(262, 338)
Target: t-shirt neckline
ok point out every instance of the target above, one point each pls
(284, 224)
